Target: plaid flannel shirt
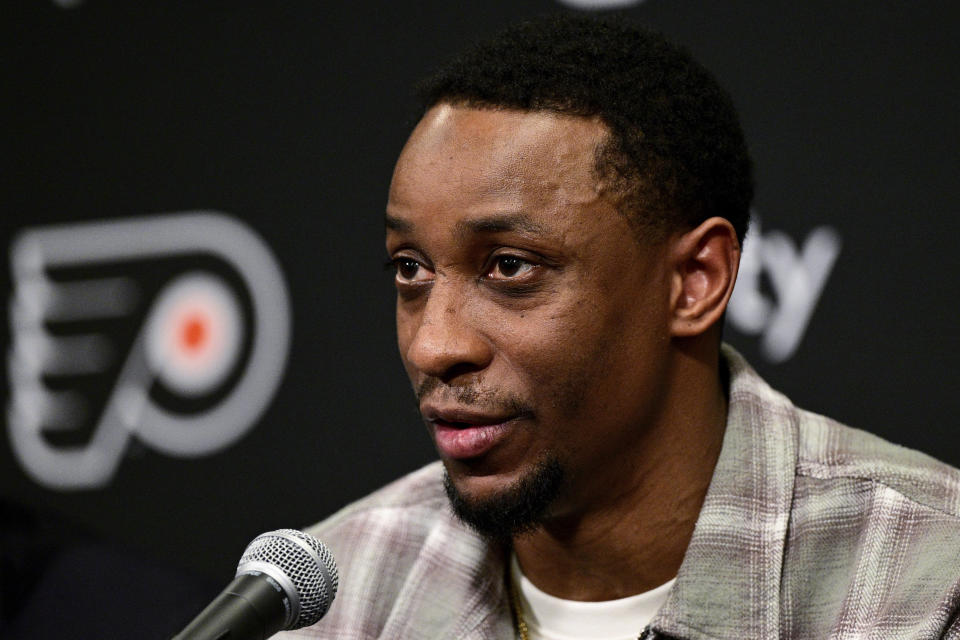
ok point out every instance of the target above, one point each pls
(809, 529)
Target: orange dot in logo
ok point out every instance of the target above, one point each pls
(193, 333)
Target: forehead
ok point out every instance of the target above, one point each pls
(462, 159)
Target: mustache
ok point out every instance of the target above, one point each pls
(471, 396)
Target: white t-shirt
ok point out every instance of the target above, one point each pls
(552, 618)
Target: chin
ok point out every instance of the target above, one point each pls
(499, 507)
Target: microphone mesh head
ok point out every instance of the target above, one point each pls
(305, 570)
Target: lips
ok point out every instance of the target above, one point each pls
(461, 435)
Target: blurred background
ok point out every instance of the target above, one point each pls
(200, 343)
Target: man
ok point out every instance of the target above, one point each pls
(566, 222)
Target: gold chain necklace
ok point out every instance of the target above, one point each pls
(515, 605)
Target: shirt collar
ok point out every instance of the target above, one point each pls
(728, 585)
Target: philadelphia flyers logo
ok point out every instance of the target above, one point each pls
(171, 329)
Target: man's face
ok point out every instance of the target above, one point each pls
(531, 321)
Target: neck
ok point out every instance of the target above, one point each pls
(632, 540)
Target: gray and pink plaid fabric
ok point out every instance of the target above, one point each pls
(810, 529)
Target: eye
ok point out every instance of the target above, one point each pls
(509, 267)
(409, 270)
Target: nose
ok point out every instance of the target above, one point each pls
(447, 341)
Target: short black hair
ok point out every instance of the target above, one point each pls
(676, 153)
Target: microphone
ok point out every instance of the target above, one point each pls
(286, 579)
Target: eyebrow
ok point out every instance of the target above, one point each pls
(394, 223)
(499, 223)
(496, 223)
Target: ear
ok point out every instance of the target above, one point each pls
(705, 262)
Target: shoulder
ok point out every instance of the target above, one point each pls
(829, 451)
(826, 450)
(398, 517)
(872, 529)
(872, 522)
(406, 563)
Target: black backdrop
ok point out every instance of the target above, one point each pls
(289, 118)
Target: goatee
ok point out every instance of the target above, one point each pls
(517, 509)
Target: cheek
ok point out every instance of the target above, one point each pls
(558, 352)
(592, 356)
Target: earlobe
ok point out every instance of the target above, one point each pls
(705, 262)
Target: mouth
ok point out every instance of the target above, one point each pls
(462, 435)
